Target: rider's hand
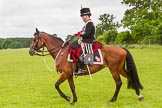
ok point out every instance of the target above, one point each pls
(79, 34)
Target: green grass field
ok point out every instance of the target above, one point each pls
(25, 82)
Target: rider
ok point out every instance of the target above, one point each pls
(87, 35)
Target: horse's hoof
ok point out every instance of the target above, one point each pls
(141, 98)
(112, 100)
(109, 102)
(72, 103)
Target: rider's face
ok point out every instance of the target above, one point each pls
(85, 18)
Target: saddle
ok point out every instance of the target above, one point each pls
(89, 52)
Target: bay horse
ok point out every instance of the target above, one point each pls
(114, 57)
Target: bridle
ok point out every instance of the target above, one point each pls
(39, 52)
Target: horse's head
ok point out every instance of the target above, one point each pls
(37, 43)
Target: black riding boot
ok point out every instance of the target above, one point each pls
(81, 71)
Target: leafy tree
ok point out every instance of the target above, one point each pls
(109, 36)
(107, 23)
(141, 30)
(143, 17)
(101, 38)
(159, 33)
(124, 38)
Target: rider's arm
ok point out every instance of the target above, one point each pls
(88, 30)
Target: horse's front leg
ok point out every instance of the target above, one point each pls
(61, 79)
(72, 86)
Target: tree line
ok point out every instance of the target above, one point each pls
(14, 43)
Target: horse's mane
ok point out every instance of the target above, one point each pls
(57, 38)
(52, 36)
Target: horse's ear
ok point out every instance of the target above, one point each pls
(37, 30)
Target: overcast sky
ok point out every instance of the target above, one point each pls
(19, 18)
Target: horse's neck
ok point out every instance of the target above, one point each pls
(53, 46)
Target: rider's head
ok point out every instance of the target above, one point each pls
(85, 14)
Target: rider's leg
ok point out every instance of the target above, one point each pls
(81, 70)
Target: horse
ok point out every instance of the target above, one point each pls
(119, 61)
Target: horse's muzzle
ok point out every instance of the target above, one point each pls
(32, 52)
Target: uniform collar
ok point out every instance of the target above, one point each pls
(88, 21)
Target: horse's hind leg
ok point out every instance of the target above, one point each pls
(118, 83)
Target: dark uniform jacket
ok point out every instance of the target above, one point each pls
(88, 33)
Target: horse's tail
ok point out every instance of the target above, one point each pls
(132, 72)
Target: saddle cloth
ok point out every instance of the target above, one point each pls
(93, 49)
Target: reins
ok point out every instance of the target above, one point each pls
(43, 55)
(45, 62)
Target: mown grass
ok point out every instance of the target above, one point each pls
(25, 82)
